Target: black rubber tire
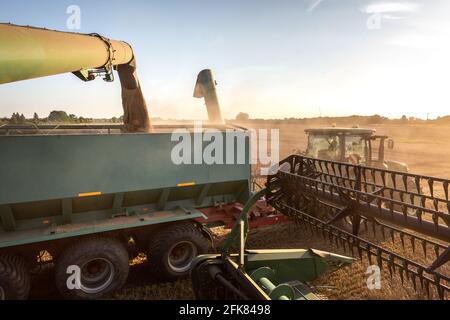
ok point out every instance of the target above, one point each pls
(14, 278)
(163, 241)
(88, 249)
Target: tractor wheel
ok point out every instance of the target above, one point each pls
(172, 250)
(14, 278)
(92, 269)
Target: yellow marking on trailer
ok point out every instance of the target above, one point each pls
(187, 184)
(89, 194)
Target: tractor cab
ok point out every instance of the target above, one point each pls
(353, 145)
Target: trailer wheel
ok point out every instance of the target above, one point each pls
(14, 278)
(172, 250)
(103, 266)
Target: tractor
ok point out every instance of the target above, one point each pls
(352, 145)
(359, 146)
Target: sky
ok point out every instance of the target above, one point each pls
(271, 59)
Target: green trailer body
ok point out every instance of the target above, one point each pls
(59, 186)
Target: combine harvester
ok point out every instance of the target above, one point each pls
(85, 199)
(350, 205)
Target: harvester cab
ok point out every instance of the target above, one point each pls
(352, 145)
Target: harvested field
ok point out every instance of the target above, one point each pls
(424, 148)
(348, 283)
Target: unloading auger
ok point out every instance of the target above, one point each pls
(334, 200)
(29, 52)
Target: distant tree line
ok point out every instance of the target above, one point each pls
(56, 116)
(349, 120)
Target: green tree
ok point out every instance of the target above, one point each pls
(58, 116)
(22, 119)
(376, 119)
(14, 118)
(242, 116)
(404, 119)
